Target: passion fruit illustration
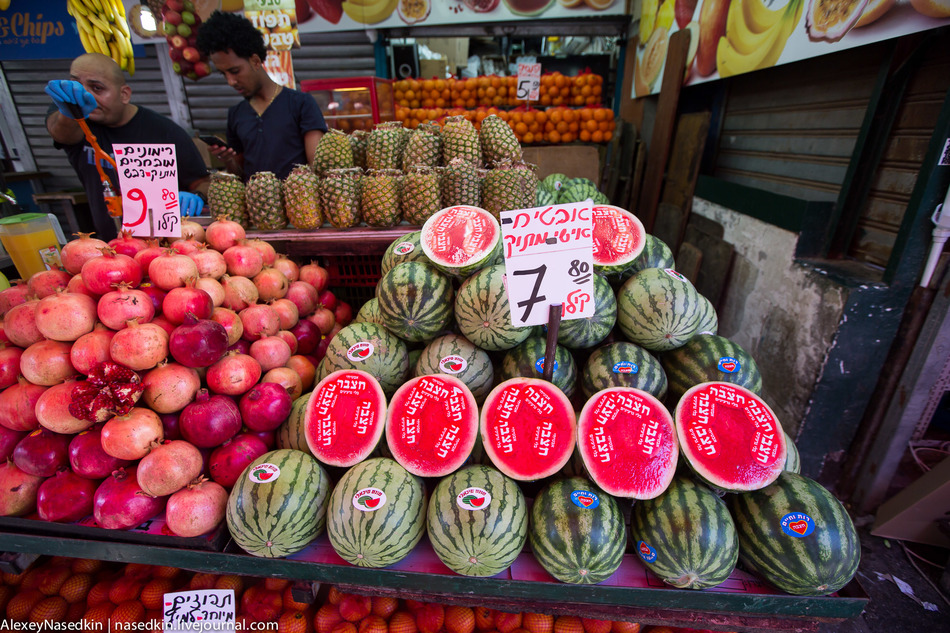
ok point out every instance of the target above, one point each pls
(481, 6)
(830, 20)
(529, 8)
(413, 11)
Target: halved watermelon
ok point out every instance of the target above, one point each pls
(528, 428)
(627, 440)
(431, 425)
(618, 239)
(461, 240)
(345, 417)
(730, 437)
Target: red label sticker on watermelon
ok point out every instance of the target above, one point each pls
(369, 499)
(625, 367)
(585, 499)
(646, 552)
(730, 437)
(473, 499)
(728, 365)
(459, 235)
(403, 248)
(359, 352)
(453, 365)
(627, 441)
(432, 425)
(675, 275)
(539, 365)
(344, 417)
(797, 524)
(264, 473)
(528, 428)
(618, 236)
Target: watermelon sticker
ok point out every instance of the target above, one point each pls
(264, 473)
(360, 351)
(797, 524)
(646, 552)
(403, 248)
(539, 365)
(473, 499)
(585, 499)
(453, 365)
(369, 499)
(728, 365)
(626, 367)
(675, 275)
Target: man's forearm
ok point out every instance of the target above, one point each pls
(63, 129)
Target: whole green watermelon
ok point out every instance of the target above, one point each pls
(589, 331)
(415, 301)
(709, 358)
(371, 348)
(623, 364)
(659, 309)
(527, 360)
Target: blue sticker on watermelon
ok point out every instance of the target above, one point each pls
(797, 524)
(728, 365)
(540, 365)
(646, 552)
(585, 499)
(626, 367)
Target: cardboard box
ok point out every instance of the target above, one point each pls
(574, 161)
(429, 68)
(454, 49)
(913, 513)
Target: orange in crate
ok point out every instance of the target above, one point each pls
(125, 613)
(327, 617)
(484, 618)
(402, 622)
(538, 623)
(293, 622)
(459, 619)
(51, 609)
(154, 590)
(568, 624)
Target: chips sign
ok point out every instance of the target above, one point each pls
(148, 180)
(549, 260)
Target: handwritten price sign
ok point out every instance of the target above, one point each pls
(549, 260)
(148, 179)
(190, 610)
(529, 82)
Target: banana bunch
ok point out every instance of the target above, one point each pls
(755, 35)
(369, 11)
(103, 29)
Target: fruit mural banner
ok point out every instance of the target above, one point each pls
(732, 37)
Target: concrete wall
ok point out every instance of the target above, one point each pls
(781, 312)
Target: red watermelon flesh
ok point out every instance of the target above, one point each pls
(617, 234)
(730, 437)
(460, 236)
(431, 425)
(528, 428)
(627, 441)
(345, 417)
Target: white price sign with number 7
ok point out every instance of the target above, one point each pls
(549, 260)
(148, 179)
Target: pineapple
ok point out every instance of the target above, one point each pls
(358, 140)
(302, 198)
(333, 152)
(461, 184)
(385, 145)
(509, 186)
(460, 140)
(340, 197)
(380, 197)
(265, 205)
(420, 194)
(498, 141)
(226, 197)
(424, 148)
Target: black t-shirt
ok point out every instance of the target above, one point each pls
(147, 126)
(274, 142)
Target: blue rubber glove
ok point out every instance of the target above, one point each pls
(66, 92)
(190, 204)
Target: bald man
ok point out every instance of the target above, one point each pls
(97, 87)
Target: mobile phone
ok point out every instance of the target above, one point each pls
(213, 140)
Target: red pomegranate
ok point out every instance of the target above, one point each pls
(75, 252)
(42, 453)
(287, 266)
(290, 339)
(87, 459)
(230, 459)
(223, 234)
(131, 436)
(234, 374)
(145, 256)
(304, 297)
(127, 244)
(196, 509)
(268, 254)
(232, 323)
(265, 407)
(91, 349)
(139, 346)
(65, 316)
(168, 468)
(171, 269)
(48, 282)
(120, 504)
(198, 342)
(18, 405)
(65, 497)
(47, 363)
(115, 309)
(185, 247)
(210, 262)
(19, 324)
(271, 351)
(259, 320)
(287, 313)
(243, 260)
(271, 284)
(8, 441)
(214, 289)
(239, 292)
(52, 410)
(9, 365)
(187, 299)
(100, 273)
(170, 387)
(210, 420)
(286, 378)
(19, 490)
(315, 275)
(191, 230)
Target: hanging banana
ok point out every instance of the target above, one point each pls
(103, 29)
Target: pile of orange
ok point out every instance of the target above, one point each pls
(554, 125)
(494, 91)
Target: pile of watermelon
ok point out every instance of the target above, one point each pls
(557, 188)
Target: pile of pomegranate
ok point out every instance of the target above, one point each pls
(145, 378)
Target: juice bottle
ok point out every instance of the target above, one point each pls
(33, 242)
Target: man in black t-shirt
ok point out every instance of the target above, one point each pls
(98, 88)
(273, 128)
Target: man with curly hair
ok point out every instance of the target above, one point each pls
(273, 128)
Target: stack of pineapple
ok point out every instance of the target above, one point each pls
(386, 176)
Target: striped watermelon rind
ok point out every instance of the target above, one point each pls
(623, 364)
(388, 360)
(655, 254)
(477, 541)
(345, 418)
(686, 536)
(793, 461)
(281, 514)
(415, 301)
(445, 354)
(483, 314)
(574, 543)
(658, 309)
(472, 232)
(384, 536)
(527, 360)
(708, 319)
(369, 313)
(708, 358)
(587, 332)
(290, 434)
(407, 248)
(796, 535)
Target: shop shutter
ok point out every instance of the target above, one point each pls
(791, 130)
(322, 56)
(27, 78)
